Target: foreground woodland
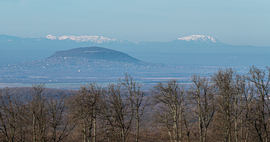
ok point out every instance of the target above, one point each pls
(226, 107)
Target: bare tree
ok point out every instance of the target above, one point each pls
(38, 111)
(84, 106)
(170, 100)
(202, 95)
(118, 111)
(59, 121)
(230, 90)
(261, 78)
(242, 100)
(9, 115)
(224, 83)
(246, 119)
(138, 99)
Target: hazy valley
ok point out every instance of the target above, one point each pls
(58, 60)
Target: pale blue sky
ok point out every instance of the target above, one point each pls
(238, 22)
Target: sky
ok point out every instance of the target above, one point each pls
(236, 22)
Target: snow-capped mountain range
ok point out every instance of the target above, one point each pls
(95, 39)
(102, 39)
(15, 49)
(201, 38)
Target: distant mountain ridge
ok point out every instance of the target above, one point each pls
(95, 39)
(102, 39)
(199, 38)
(54, 43)
(16, 49)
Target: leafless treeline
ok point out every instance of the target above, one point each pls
(225, 107)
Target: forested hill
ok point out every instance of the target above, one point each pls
(77, 65)
(83, 58)
(95, 53)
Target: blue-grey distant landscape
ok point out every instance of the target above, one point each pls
(134, 70)
(78, 59)
(194, 50)
(81, 41)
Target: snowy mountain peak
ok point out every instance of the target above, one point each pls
(201, 38)
(95, 39)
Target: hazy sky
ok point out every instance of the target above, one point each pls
(238, 22)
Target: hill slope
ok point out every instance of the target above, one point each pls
(79, 64)
(93, 58)
(95, 53)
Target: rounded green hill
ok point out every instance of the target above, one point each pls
(95, 53)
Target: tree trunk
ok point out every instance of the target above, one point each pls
(175, 135)
(84, 132)
(95, 126)
(34, 125)
(236, 118)
(123, 134)
(200, 116)
(138, 125)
